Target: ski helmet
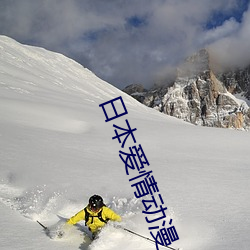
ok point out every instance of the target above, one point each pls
(95, 202)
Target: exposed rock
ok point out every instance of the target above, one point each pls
(137, 91)
(237, 81)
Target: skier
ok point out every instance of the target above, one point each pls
(95, 214)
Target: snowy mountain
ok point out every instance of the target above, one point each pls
(237, 81)
(57, 150)
(201, 95)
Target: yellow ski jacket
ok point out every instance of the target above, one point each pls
(94, 223)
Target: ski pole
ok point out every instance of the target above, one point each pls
(45, 228)
(145, 237)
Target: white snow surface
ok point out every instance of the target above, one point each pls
(57, 150)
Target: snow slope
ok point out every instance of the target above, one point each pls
(56, 150)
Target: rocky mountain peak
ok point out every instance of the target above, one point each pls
(202, 97)
(196, 64)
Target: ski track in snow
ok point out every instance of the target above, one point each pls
(43, 117)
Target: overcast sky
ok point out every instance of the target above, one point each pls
(131, 41)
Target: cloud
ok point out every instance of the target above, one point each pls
(228, 28)
(233, 49)
(125, 42)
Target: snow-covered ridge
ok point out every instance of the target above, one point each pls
(33, 74)
(34, 66)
